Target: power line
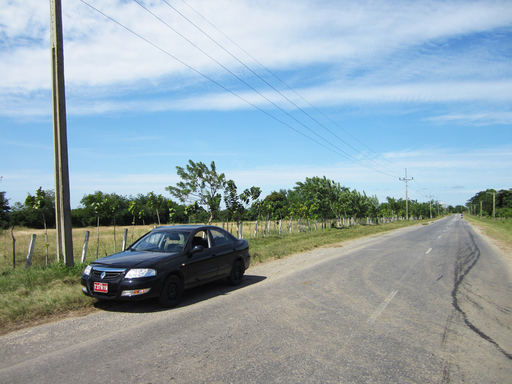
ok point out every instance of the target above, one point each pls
(336, 149)
(207, 77)
(342, 153)
(281, 81)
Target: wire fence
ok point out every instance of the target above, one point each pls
(18, 244)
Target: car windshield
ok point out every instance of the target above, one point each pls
(161, 241)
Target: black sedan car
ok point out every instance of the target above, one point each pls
(166, 261)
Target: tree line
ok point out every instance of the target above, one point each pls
(200, 194)
(491, 203)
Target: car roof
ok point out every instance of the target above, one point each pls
(186, 227)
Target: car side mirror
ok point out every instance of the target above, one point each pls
(196, 249)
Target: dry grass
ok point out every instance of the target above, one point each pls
(110, 240)
(105, 246)
(500, 231)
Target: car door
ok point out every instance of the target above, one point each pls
(224, 250)
(199, 267)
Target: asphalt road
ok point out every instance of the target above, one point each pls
(428, 304)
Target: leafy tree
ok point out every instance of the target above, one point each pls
(114, 210)
(504, 198)
(361, 205)
(372, 206)
(233, 204)
(26, 215)
(338, 200)
(199, 184)
(113, 206)
(483, 202)
(456, 209)
(134, 209)
(95, 208)
(4, 211)
(192, 210)
(249, 196)
(98, 206)
(40, 202)
(155, 203)
(176, 212)
(275, 205)
(236, 205)
(315, 197)
(392, 205)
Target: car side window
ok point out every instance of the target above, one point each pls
(150, 242)
(220, 238)
(200, 238)
(174, 242)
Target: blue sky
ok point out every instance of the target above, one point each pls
(272, 91)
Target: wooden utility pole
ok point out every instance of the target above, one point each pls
(60, 140)
(406, 194)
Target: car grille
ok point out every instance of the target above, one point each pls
(106, 273)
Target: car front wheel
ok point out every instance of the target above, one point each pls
(172, 291)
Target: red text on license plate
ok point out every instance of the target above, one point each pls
(101, 287)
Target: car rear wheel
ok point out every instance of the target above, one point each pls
(237, 273)
(172, 291)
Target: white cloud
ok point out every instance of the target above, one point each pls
(285, 34)
(449, 174)
(476, 119)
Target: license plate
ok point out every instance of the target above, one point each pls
(101, 287)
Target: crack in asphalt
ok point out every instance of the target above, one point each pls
(460, 273)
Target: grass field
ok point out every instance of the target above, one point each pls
(39, 293)
(500, 230)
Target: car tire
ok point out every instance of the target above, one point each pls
(237, 273)
(172, 291)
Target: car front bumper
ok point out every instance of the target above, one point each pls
(121, 289)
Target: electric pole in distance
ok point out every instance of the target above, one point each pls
(60, 140)
(406, 194)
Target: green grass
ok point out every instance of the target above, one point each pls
(28, 295)
(276, 247)
(499, 229)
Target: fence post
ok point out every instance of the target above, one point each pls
(256, 229)
(125, 236)
(86, 244)
(13, 248)
(28, 263)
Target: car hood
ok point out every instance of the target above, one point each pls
(131, 259)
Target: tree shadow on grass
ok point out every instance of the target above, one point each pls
(190, 297)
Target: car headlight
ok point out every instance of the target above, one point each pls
(139, 272)
(87, 270)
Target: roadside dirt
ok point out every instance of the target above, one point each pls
(11, 327)
(502, 247)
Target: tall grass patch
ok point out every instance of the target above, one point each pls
(31, 293)
(499, 229)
